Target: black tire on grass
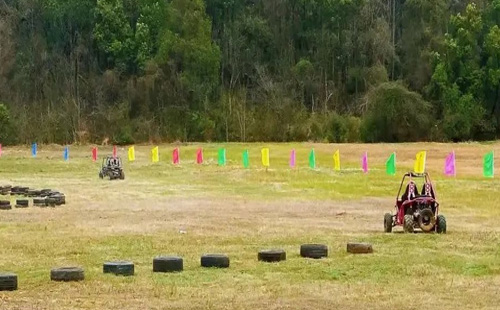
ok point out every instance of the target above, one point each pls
(22, 203)
(315, 251)
(5, 205)
(23, 190)
(39, 202)
(67, 274)
(58, 199)
(50, 202)
(215, 260)
(271, 256)
(8, 282)
(168, 264)
(62, 200)
(359, 248)
(121, 268)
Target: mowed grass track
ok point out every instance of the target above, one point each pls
(236, 211)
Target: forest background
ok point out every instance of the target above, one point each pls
(80, 71)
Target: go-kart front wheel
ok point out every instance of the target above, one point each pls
(441, 224)
(388, 223)
(408, 225)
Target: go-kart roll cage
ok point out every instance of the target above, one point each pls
(111, 161)
(411, 175)
(420, 199)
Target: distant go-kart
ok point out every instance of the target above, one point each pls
(112, 168)
(414, 210)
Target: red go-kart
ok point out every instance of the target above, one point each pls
(414, 209)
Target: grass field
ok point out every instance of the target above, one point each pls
(238, 212)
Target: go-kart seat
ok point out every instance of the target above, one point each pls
(427, 190)
(410, 192)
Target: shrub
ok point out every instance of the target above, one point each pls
(202, 127)
(339, 129)
(353, 129)
(395, 114)
(124, 136)
(7, 132)
(318, 127)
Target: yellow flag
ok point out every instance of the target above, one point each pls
(265, 157)
(420, 162)
(336, 160)
(131, 153)
(155, 156)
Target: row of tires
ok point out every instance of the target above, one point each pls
(50, 201)
(41, 198)
(168, 264)
(24, 191)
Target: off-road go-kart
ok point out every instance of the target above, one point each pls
(112, 168)
(414, 210)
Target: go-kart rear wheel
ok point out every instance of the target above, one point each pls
(426, 220)
(388, 223)
(408, 224)
(101, 176)
(441, 224)
(122, 175)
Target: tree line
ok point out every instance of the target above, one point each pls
(80, 71)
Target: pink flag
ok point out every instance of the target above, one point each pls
(449, 165)
(114, 151)
(292, 159)
(94, 153)
(199, 156)
(175, 156)
(364, 162)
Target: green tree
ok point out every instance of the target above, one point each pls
(458, 79)
(113, 35)
(186, 47)
(424, 24)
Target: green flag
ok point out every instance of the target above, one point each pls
(390, 165)
(222, 157)
(489, 165)
(312, 160)
(246, 160)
